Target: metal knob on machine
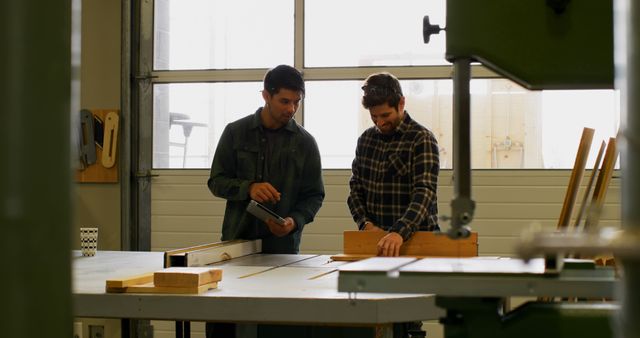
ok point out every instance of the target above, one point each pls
(428, 29)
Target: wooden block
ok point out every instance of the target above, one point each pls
(186, 277)
(421, 244)
(129, 281)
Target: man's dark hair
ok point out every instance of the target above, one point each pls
(283, 76)
(380, 88)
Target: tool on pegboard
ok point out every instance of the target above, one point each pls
(87, 145)
(98, 131)
(110, 143)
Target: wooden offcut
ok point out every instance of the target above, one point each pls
(186, 277)
(151, 288)
(130, 281)
(363, 244)
(169, 281)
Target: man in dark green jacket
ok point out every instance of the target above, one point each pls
(271, 159)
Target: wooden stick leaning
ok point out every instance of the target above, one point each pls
(587, 192)
(602, 184)
(599, 195)
(576, 177)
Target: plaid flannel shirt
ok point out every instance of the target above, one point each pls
(394, 179)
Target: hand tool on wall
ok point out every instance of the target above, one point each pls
(98, 131)
(87, 146)
(110, 143)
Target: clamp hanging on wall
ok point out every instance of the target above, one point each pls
(98, 146)
(87, 146)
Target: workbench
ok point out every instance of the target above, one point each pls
(259, 288)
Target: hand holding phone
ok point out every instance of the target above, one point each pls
(263, 213)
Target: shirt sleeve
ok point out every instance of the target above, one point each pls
(426, 167)
(223, 181)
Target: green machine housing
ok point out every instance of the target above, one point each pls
(540, 44)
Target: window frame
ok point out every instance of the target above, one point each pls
(309, 73)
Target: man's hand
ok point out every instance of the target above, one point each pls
(389, 245)
(263, 192)
(281, 230)
(369, 226)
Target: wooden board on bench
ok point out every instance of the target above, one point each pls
(363, 244)
(171, 280)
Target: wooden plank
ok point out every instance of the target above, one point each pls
(355, 258)
(184, 251)
(576, 177)
(186, 277)
(150, 288)
(587, 191)
(349, 258)
(222, 253)
(129, 281)
(422, 243)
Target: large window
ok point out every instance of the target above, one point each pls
(210, 56)
(222, 34)
(358, 33)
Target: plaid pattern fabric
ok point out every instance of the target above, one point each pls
(394, 179)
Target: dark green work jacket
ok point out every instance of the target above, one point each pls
(296, 173)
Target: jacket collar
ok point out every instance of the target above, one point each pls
(256, 122)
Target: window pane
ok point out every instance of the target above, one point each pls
(511, 127)
(222, 34)
(188, 119)
(371, 33)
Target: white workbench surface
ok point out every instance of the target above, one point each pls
(256, 289)
(475, 277)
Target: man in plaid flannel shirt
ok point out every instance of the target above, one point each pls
(395, 170)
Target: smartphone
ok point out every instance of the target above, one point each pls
(263, 213)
